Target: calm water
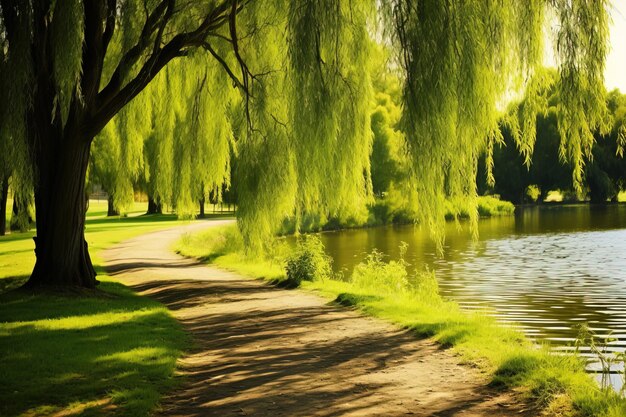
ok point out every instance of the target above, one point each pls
(546, 268)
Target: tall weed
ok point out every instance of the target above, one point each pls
(308, 262)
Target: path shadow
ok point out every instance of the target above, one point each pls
(270, 358)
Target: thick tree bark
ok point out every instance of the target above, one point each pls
(60, 246)
(111, 208)
(4, 196)
(61, 155)
(154, 207)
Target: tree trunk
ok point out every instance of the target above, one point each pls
(201, 208)
(111, 208)
(15, 215)
(3, 205)
(154, 207)
(21, 220)
(60, 201)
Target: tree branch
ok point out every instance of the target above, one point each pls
(109, 28)
(133, 54)
(223, 63)
(113, 97)
(93, 51)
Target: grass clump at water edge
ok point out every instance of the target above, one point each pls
(385, 289)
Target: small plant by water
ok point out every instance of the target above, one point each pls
(308, 262)
(608, 360)
(388, 277)
(392, 277)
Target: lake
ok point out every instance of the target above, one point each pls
(546, 268)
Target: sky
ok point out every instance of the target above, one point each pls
(615, 73)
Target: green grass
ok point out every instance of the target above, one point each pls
(488, 206)
(112, 354)
(90, 355)
(558, 383)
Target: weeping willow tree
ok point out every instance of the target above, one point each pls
(117, 155)
(178, 145)
(192, 138)
(302, 69)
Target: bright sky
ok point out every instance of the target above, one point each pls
(615, 74)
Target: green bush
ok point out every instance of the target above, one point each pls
(392, 277)
(386, 277)
(308, 262)
(426, 287)
(488, 206)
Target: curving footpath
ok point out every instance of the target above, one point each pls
(262, 351)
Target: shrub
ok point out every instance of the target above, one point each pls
(426, 288)
(393, 278)
(308, 262)
(386, 277)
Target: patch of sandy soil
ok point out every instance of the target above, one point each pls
(262, 351)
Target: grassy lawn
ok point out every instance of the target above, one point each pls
(558, 383)
(112, 354)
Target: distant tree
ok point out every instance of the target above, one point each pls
(388, 147)
(605, 173)
(548, 170)
(117, 159)
(510, 173)
(4, 195)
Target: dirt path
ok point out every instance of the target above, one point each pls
(262, 351)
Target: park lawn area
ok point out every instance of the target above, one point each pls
(113, 353)
(558, 383)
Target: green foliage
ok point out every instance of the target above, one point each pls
(533, 193)
(177, 147)
(389, 164)
(446, 125)
(16, 70)
(392, 278)
(302, 111)
(308, 262)
(582, 42)
(386, 277)
(67, 39)
(605, 172)
(545, 169)
(488, 206)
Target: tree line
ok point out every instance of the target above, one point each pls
(519, 179)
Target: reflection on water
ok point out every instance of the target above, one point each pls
(546, 268)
